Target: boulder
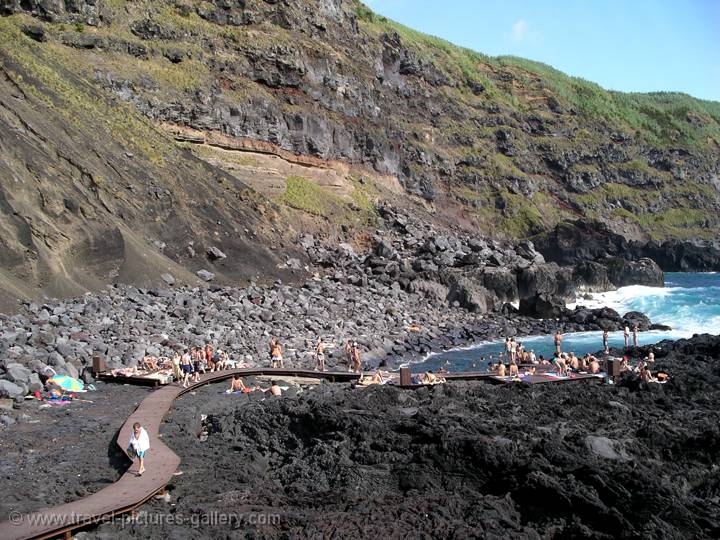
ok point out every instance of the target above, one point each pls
(661, 327)
(205, 275)
(215, 254)
(168, 278)
(633, 318)
(10, 390)
(501, 282)
(622, 272)
(18, 374)
(34, 383)
(591, 276)
(606, 448)
(383, 248)
(543, 306)
(71, 370)
(571, 242)
(547, 279)
(432, 290)
(55, 360)
(470, 295)
(346, 250)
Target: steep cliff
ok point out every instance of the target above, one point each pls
(320, 107)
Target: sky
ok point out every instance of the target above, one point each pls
(628, 45)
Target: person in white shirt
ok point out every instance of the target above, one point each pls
(139, 444)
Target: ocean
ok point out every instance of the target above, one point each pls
(689, 303)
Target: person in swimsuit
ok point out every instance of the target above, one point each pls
(430, 378)
(357, 362)
(275, 390)
(186, 366)
(177, 370)
(198, 363)
(276, 358)
(149, 363)
(558, 341)
(626, 334)
(348, 354)
(606, 347)
(574, 362)
(209, 357)
(635, 336)
(646, 375)
(236, 384)
(560, 365)
(320, 355)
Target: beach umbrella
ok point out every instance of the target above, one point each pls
(67, 383)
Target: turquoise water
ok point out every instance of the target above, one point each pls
(689, 303)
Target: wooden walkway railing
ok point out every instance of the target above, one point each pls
(131, 491)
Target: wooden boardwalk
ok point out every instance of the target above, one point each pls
(131, 491)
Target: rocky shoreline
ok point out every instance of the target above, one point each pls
(456, 460)
(411, 290)
(125, 324)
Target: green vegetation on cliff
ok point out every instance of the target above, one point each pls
(659, 117)
(510, 145)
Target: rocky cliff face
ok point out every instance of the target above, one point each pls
(91, 194)
(96, 91)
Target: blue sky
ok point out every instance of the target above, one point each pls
(629, 45)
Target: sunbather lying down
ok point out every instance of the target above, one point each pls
(149, 363)
(430, 378)
(376, 378)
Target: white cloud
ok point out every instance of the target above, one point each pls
(519, 30)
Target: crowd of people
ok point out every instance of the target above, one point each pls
(190, 363)
(564, 363)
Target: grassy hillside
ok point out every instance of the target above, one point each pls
(659, 118)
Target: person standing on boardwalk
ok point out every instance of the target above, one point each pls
(349, 354)
(626, 333)
(606, 347)
(635, 336)
(357, 363)
(139, 445)
(558, 341)
(320, 355)
(276, 353)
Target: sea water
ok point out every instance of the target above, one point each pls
(689, 303)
